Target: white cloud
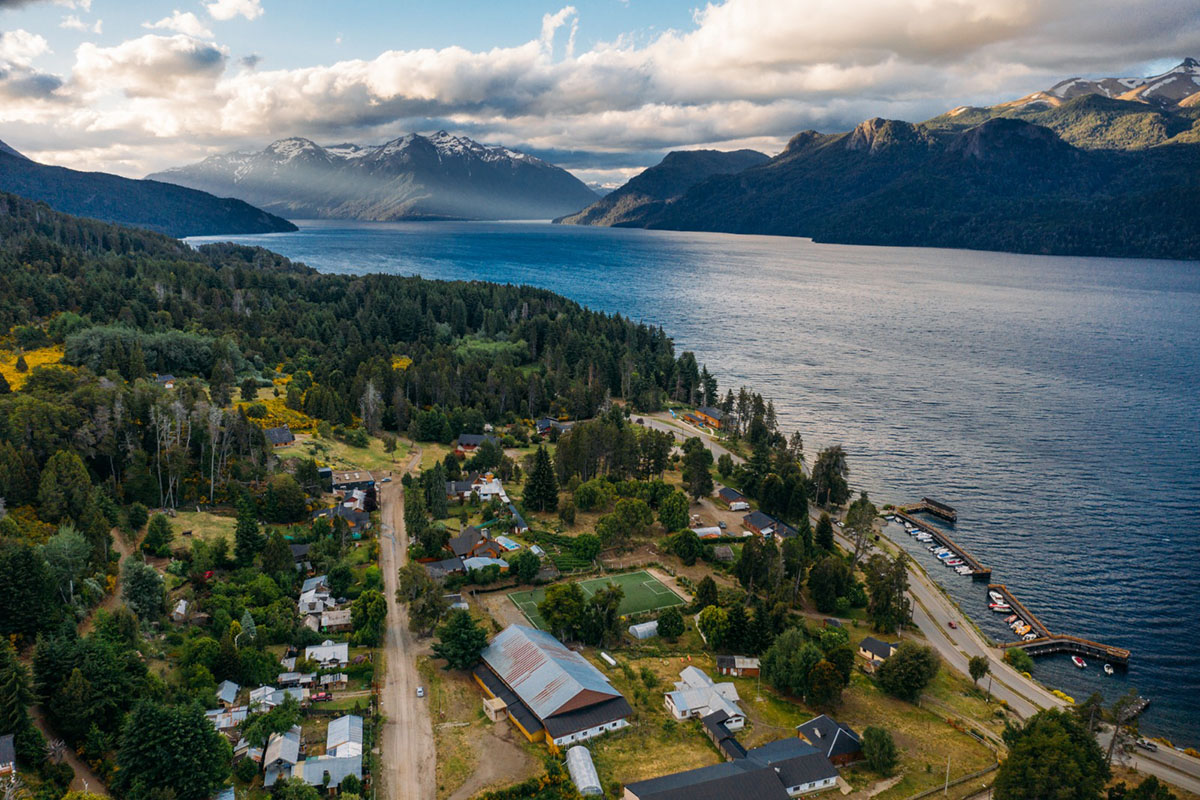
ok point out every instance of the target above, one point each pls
(184, 22)
(20, 47)
(177, 67)
(744, 73)
(73, 23)
(228, 9)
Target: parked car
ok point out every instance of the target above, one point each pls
(386, 480)
(420, 691)
(722, 525)
(952, 624)
(1146, 744)
(321, 697)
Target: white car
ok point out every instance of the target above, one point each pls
(420, 691)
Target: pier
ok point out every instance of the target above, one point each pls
(1049, 643)
(905, 513)
(931, 506)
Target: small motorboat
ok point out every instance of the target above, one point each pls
(1079, 662)
(1000, 608)
(1016, 623)
(945, 556)
(1029, 637)
(1108, 669)
(1024, 630)
(954, 562)
(964, 570)
(1012, 619)
(996, 596)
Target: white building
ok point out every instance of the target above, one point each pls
(329, 653)
(696, 696)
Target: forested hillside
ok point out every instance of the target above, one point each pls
(91, 435)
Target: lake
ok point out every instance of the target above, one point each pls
(1054, 401)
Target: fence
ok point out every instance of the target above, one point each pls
(956, 782)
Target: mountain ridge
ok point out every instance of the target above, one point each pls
(160, 207)
(676, 173)
(414, 176)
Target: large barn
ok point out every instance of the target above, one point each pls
(551, 693)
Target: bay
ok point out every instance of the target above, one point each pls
(1055, 402)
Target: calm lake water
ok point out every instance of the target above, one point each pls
(1054, 401)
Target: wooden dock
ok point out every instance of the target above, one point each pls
(979, 570)
(931, 506)
(1049, 643)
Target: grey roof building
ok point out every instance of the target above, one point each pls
(837, 741)
(550, 690)
(344, 736)
(312, 770)
(279, 437)
(227, 692)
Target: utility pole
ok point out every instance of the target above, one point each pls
(989, 691)
(946, 788)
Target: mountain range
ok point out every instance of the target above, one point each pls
(413, 177)
(1085, 173)
(161, 207)
(646, 193)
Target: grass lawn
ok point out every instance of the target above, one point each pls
(642, 593)
(204, 525)
(456, 707)
(341, 456)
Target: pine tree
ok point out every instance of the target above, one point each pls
(824, 534)
(460, 641)
(247, 540)
(541, 487)
(15, 694)
(249, 629)
(739, 627)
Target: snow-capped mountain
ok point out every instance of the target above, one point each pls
(413, 176)
(1179, 86)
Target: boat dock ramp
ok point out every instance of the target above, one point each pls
(905, 513)
(1048, 643)
(931, 506)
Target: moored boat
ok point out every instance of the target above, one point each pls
(1079, 662)
(996, 596)
(1108, 669)
(1000, 608)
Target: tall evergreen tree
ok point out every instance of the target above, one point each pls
(247, 539)
(541, 487)
(460, 641)
(168, 748)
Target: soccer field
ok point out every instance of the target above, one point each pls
(643, 592)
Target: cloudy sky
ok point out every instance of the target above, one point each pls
(602, 87)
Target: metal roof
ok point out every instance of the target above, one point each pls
(548, 677)
(312, 770)
(832, 737)
(344, 737)
(227, 691)
(728, 781)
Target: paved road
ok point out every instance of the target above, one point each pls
(932, 613)
(408, 753)
(663, 421)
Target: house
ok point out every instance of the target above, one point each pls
(713, 417)
(295, 679)
(344, 736)
(551, 693)
(644, 630)
(227, 719)
(474, 542)
(483, 562)
(243, 749)
(467, 443)
(299, 552)
(317, 583)
(741, 666)
(165, 381)
(279, 437)
(724, 739)
(227, 693)
(765, 525)
(836, 741)
(8, 755)
(547, 424)
(264, 698)
(440, 569)
(260, 697)
(180, 612)
(350, 480)
(313, 771)
(336, 680)
(723, 553)
(485, 486)
(875, 652)
(337, 620)
(357, 519)
(775, 771)
(281, 755)
(329, 654)
(519, 525)
(730, 496)
(696, 696)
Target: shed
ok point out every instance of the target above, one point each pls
(179, 614)
(279, 437)
(644, 630)
(537, 551)
(495, 708)
(583, 772)
(723, 553)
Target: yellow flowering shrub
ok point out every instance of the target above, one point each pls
(278, 415)
(41, 357)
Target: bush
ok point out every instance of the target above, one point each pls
(879, 750)
(1018, 659)
(907, 672)
(245, 769)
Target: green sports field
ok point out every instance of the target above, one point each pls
(643, 592)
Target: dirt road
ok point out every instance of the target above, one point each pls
(408, 754)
